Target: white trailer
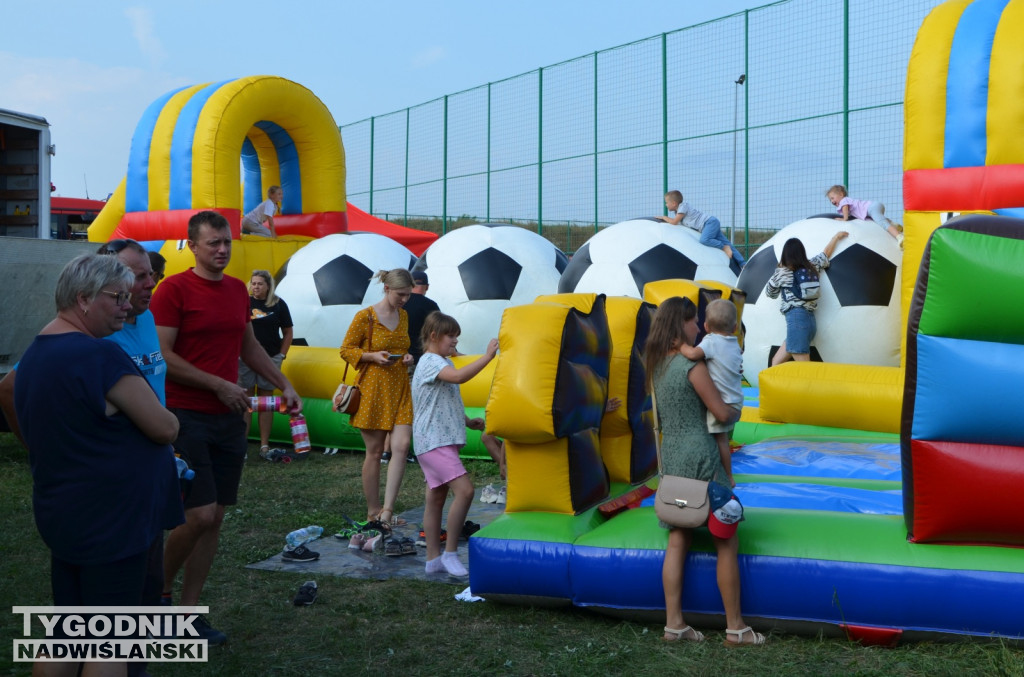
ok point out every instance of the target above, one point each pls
(25, 152)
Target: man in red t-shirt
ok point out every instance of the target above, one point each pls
(202, 318)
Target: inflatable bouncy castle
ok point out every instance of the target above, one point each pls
(185, 154)
(898, 529)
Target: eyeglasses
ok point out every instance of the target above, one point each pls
(120, 297)
(115, 246)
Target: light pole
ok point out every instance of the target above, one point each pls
(735, 124)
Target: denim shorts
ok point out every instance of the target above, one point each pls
(800, 330)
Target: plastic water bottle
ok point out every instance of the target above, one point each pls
(184, 472)
(300, 536)
(267, 403)
(300, 434)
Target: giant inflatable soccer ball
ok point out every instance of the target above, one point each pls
(330, 279)
(478, 271)
(621, 259)
(858, 313)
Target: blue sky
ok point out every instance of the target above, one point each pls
(91, 68)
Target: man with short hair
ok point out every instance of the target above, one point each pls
(203, 321)
(418, 307)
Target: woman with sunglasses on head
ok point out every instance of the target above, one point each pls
(272, 324)
(377, 344)
(103, 472)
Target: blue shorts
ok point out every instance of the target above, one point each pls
(800, 330)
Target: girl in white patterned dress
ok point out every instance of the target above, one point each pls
(439, 431)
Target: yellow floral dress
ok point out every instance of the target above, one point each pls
(385, 396)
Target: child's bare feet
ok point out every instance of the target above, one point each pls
(728, 251)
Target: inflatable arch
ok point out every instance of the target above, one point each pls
(963, 150)
(195, 146)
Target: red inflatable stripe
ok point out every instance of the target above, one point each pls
(967, 493)
(961, 189)
(869, 636)
(173, 224)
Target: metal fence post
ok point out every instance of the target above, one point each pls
(846, 92)
(371, 163)
(540, 151)
(596, 205)
(405, 188)
(444, 170)
(664, 117)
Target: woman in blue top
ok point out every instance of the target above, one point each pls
(104, 483)
(684, 394)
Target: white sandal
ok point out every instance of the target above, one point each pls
(697, 636)
(756, 638)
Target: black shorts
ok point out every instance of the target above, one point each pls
(214, 445)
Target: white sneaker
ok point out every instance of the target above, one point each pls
(450, 562)
(489, 495)
(501, 497)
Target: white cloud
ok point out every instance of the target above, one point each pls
(92, 111)
(143, 30)
(428, 56)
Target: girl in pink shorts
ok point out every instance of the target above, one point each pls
(439, 430)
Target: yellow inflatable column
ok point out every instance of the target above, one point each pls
(547, 400)
(627, 438)
(701, 293)
(833, 395)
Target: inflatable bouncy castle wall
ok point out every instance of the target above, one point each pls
(547, 401)
(185, 155)
(962, 442)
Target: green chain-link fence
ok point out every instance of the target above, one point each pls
(752, 116)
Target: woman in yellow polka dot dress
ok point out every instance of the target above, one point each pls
(382, 356)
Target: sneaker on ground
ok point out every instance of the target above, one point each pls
(502, 496)
(306, 595)
(452, 565)
(422, 539)
(385, 458)
(300, 554)
(213, 636)
(489, 494)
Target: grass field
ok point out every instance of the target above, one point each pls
(400, 627)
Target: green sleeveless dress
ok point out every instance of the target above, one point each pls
(687, 448)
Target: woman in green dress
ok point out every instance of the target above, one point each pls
(685, 393)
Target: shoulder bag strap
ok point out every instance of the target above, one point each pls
(657, 428)
(369, 346)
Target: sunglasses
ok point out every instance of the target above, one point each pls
(115, 246)
(120, 297)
